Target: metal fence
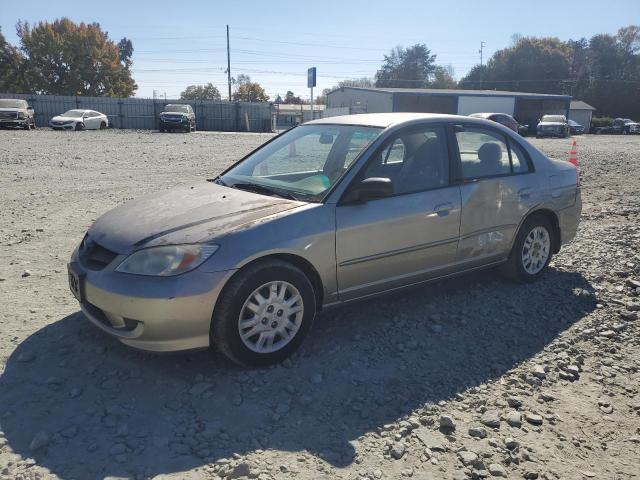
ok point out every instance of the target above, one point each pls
(142, 113)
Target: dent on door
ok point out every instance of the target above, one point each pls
(492, 210)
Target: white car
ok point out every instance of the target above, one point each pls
(79, 120)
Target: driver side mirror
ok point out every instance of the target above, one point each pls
(368, 189)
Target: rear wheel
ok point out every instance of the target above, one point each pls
(532, 250)
(264, 313)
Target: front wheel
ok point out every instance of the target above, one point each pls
(103, 125)
(532, 250)
(79, 126)
(264, 313)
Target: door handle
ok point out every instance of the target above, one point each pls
(443, 209)
(525, 192)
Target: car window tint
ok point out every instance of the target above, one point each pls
(483, 153)
(413, 161)
(518, 158)
(305, 154)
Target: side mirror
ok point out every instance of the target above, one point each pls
(368, 189)
(29, 109)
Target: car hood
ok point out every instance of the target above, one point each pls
(186, 214)
(60, 118)
(552, 124)
(632, 123)
(6, 109)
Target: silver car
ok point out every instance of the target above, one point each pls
(332, 211)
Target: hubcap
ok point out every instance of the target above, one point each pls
(535, 251)
(270, 317)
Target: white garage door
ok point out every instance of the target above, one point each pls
(471, 104)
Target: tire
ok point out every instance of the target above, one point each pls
(79, 126)
(187, 129)
(234, 304)
(26, 126)
(517, 268)
(103, 125)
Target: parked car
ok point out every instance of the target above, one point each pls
(16, 113)
(575, 128)
(78, 119)
(620, 126)
(501, 118)
(523, 130)
(329, 212)
(177, 117)
(552, 126)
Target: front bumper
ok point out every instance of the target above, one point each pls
(170, 125)
(14, 122)
(158, 314)
(60, 126)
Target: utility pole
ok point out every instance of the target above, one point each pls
(481, 51)
(228, 64)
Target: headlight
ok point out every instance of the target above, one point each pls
(166, 260)
(21, 115)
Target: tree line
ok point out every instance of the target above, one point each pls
(65, 58)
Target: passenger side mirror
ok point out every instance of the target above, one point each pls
(368, 189)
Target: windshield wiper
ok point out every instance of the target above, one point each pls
(252, 187)
(218, 181)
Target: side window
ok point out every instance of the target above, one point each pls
(483, 153)
(394, 153)
(519, 159)
(414, 161)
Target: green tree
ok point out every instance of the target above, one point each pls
(532, 64)
(291, 98)
(412, 67)
(12, 68)
(250, 92)
(65, 58)
(200, 92)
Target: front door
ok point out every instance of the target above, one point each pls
(405, 238)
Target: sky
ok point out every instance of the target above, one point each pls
(181, 43)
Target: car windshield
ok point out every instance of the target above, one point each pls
(304, 162)
(553, 118)
(4, 103)
(627, 120)
(176, 108)
(73, 113)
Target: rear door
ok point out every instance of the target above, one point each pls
(498, 188)
(408, 237)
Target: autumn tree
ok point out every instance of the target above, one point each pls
(248, 91)
(201, 92)
(65, 58)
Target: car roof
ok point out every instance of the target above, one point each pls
(384, 120)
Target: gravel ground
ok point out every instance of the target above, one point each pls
(468, 378)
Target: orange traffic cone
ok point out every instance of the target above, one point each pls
(573, 154)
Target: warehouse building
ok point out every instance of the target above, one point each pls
(527, 108)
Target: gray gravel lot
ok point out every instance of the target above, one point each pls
(469, 378)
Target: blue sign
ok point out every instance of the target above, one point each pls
(311, 77)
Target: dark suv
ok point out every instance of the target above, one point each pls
(621, 126)
(501, 118)
(177, 117)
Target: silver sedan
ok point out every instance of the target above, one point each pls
(332, 211)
